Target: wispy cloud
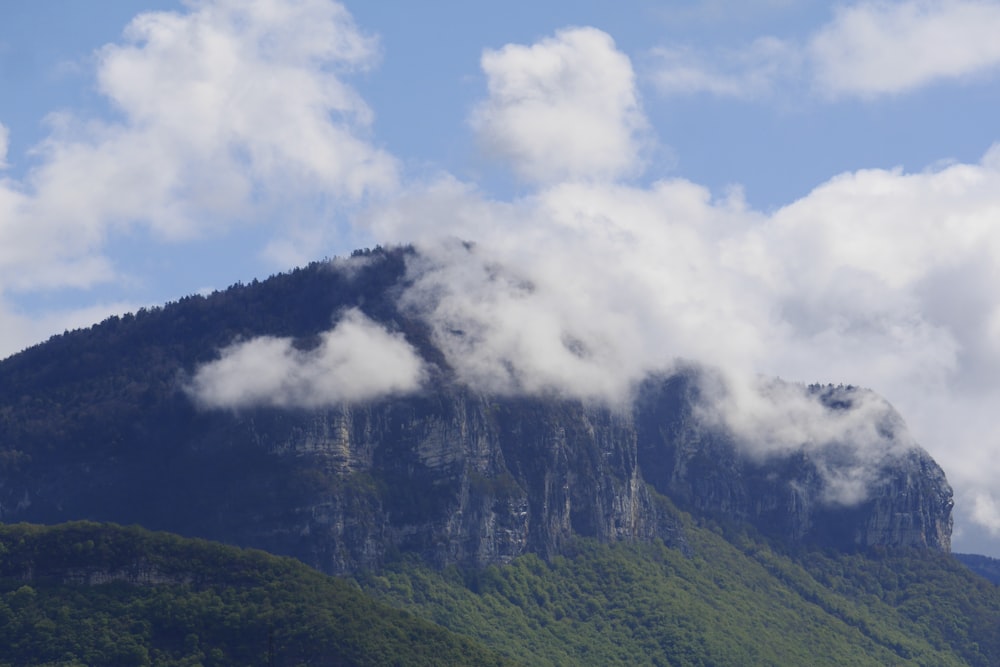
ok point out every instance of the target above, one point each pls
(751, 73)
(877, 48)
(232, 113)
(868, 49)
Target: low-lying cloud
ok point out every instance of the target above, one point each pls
(849, 434)
(357, 360)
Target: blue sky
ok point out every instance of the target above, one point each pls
(782, 187)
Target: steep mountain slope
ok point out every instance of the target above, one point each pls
(103, 424)
(85, 593)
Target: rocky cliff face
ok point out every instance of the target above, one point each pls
(456, 477)
(464, 478)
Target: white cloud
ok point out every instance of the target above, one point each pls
(850, 444)
(874, 48)
(231, 112)
(357, 360)
(867, 49)
(986, 511)
(754, 72)
(580, 289)
(564, 108)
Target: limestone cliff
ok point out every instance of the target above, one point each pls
(472, 479)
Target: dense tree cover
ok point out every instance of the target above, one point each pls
(86, 593)
(736, 602)
(93, 594)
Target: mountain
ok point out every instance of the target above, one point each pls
(984, 566)
(107, 424)
(681, 523)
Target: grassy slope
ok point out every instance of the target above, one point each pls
(221, 606)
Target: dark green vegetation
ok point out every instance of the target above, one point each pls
(733, 602)
(93, 594)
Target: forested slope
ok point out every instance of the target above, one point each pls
(734, 599)
(93, 594)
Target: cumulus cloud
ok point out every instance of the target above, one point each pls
(867, 49)
(357, 360)
(566, 107)
(232, 111)
(580, 289)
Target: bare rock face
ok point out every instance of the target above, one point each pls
(459, 477)
(455, 477)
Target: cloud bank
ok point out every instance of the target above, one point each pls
(356, 361)
(879, 278)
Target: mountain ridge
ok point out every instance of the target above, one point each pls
(101, 424)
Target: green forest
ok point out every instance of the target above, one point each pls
(166, 600)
